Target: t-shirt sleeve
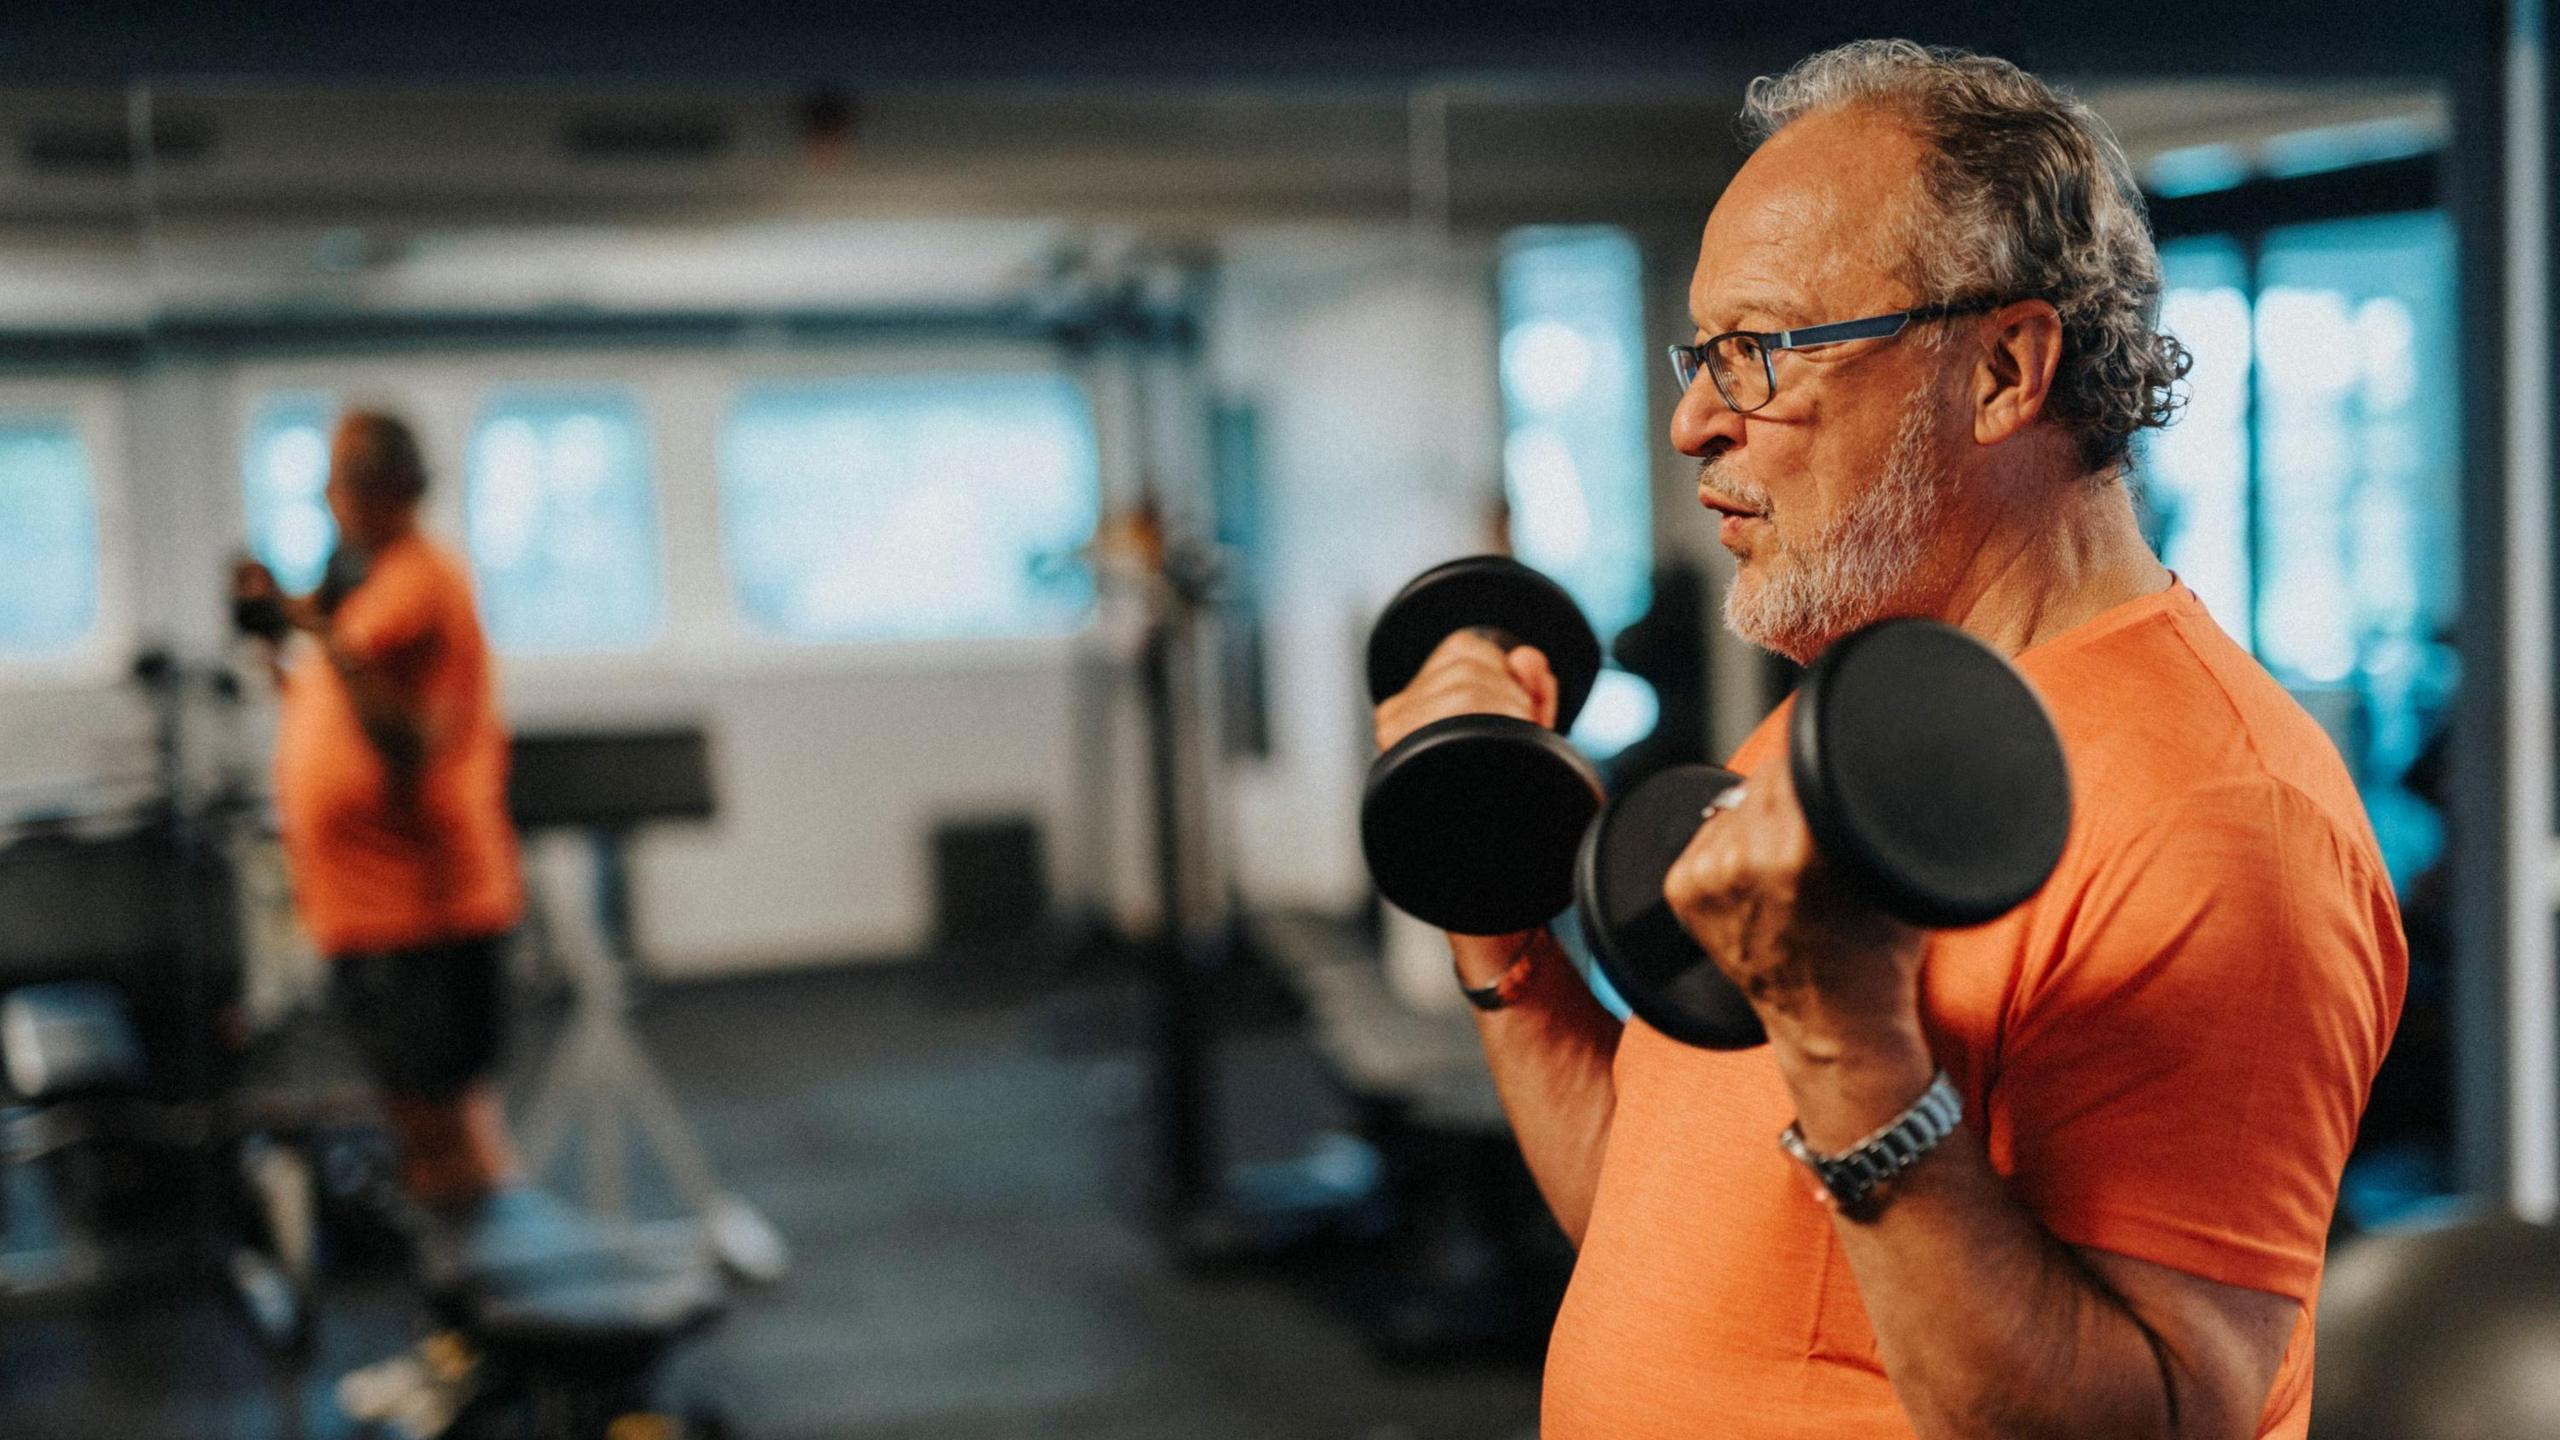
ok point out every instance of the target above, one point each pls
(393, 613)
(2182, 1083)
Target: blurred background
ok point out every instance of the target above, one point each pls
(927, 473)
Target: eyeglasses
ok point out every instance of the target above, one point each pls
(1746, 375)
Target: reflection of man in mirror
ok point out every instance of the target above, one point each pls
(391, 781)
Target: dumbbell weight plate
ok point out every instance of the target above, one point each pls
(1929, 773)
(1654, 965)
(1470, 823)
(1491, 592)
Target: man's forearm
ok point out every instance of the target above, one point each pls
(1989, 1326)
(390, 720)
(1550, 1051)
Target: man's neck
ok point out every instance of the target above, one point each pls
(383, 534)
(2039, 570)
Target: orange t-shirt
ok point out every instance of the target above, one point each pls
(2166, 1052)
(365, 878)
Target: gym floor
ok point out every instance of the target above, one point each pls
(956, 1153)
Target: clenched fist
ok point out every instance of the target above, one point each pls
(1470, 674)
(1826, 971)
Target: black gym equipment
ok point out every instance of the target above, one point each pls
(1931, 778)
(557, 1323)
(132, 1153)
(1471, 822)
(606, 785)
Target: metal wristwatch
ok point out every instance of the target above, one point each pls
(1848, 1180)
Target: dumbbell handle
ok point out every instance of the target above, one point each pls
(1470, 821)
(1507, 642)
(1505, 601)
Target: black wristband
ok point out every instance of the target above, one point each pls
(1506, 987)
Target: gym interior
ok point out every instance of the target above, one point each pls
(928, 477)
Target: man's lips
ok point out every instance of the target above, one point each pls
(1724, 506)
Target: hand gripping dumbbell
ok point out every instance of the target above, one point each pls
(1927, 770)
(1929, 774)
(1472, 822)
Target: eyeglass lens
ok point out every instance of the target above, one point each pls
(1740, 366)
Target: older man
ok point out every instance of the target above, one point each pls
(1926, 312)
(391, 768)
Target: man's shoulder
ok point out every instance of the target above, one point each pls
(420, 572)
(421, 556)
(414, 589)
(2167, 717)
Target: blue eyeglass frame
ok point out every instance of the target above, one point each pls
(1687, 361)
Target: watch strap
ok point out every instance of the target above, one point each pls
(1846, 1181)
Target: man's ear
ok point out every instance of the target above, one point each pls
(2013, 375)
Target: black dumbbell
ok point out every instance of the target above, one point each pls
(1471, 823)
(1931, 778)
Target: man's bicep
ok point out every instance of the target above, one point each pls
(392, 613)
(2220, 1345)
(2184, 1084)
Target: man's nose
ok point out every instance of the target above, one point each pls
(1702, 418)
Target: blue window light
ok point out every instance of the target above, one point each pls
(284, 467)
(561, 515)
(2360, 449)
(2309, 493)
(908, 508)
(49, 597)
(2195, 474)
(1577, 455)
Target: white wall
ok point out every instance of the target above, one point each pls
(833, 761)
(1371, 362)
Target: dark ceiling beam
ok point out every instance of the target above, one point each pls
(1104, 41)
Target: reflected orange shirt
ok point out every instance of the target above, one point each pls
(2166, 1051)
(365, 877)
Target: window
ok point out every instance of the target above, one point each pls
(285, 467)
(2197, 471)
(48, 539)
(2309, 492)
(1577, 449)
(2358, 460)
(909, 508)
(1575, 457)
(561, 515)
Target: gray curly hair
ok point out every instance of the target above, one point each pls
(2031, 197)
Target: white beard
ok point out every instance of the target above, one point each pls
(1797, 597)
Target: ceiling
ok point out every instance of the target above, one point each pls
(508, 197)
(1189, 41)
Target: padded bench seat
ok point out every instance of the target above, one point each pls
(68, 1038)
(1430, 1065)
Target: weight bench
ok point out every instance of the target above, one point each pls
(1479, 1265)
(562, 1318)
(67, 1041)
(76, 1077)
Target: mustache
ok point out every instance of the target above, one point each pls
(1732, 486)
